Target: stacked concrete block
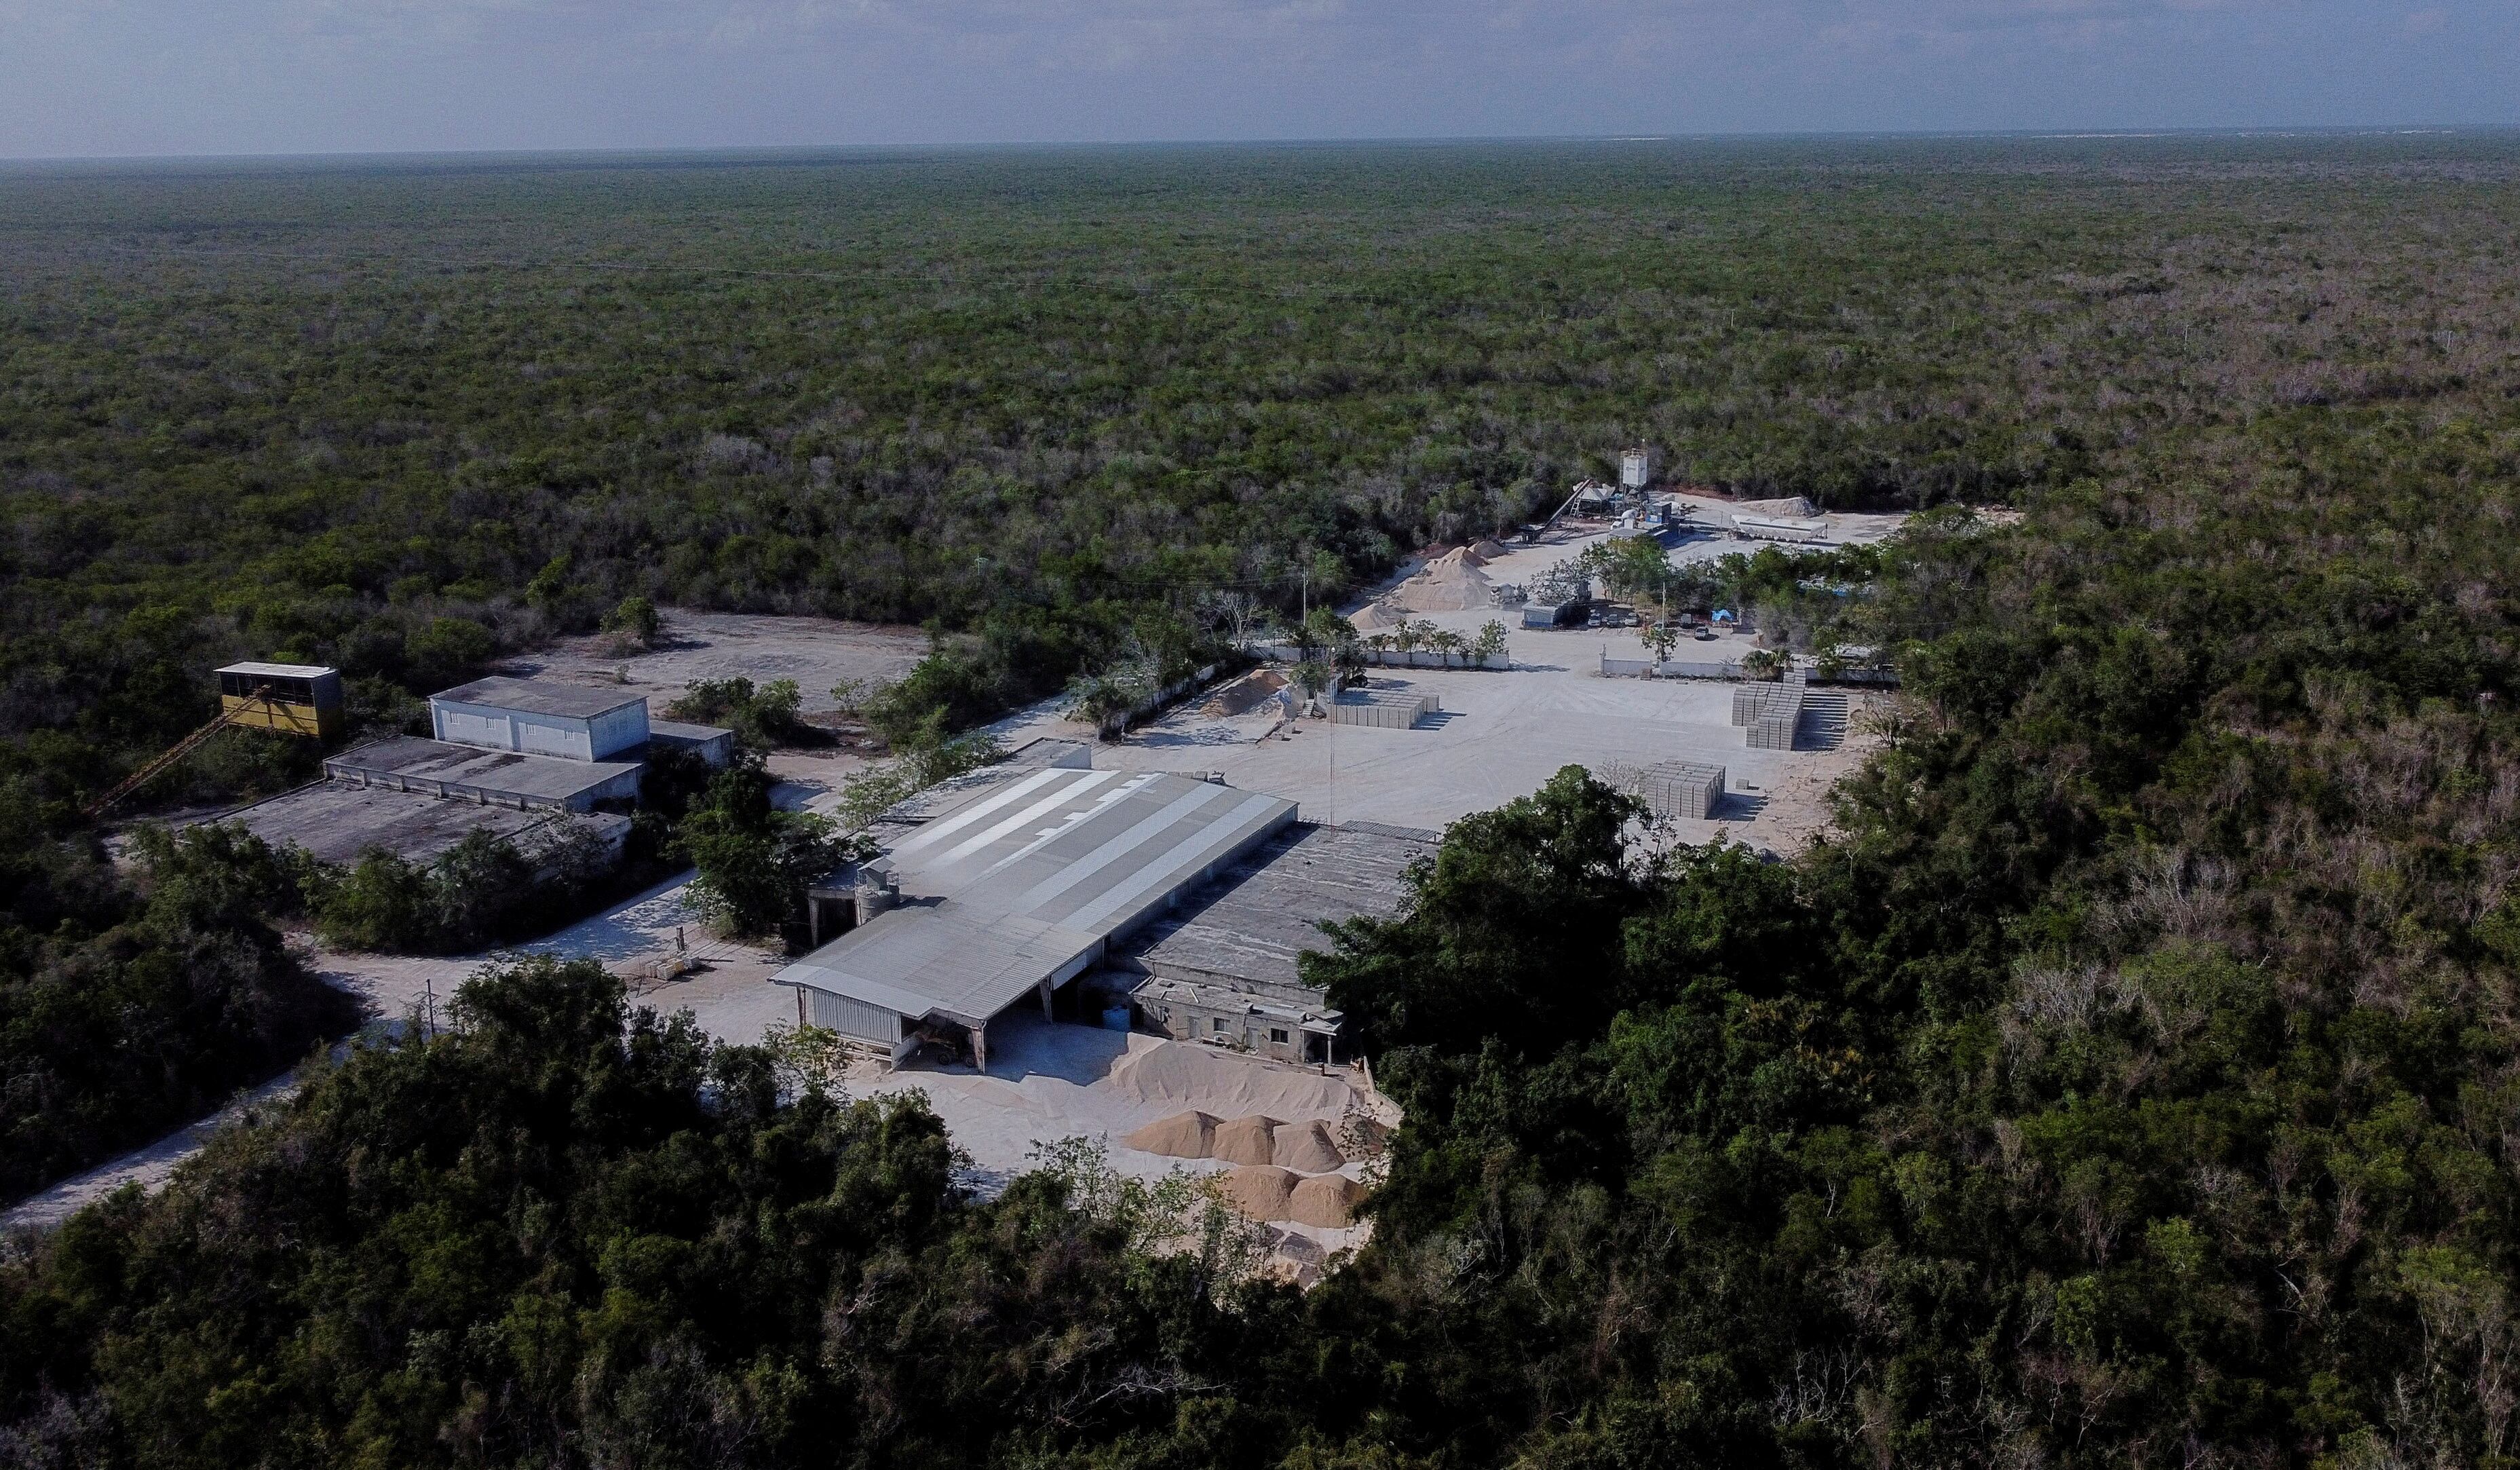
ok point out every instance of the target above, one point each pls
(1773, 713)
(1383, 708)
(1749, 698)
(1684, 787)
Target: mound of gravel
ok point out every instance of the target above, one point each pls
(1325, 1200)
(1246, 1140)
(1184, 1135)
(1307, 1148)
(1258, 1190)
(1199, 1076)
(1450, 584)
(1791, 505)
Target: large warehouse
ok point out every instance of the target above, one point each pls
(1016, 889)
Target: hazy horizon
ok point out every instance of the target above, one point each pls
(158, 79)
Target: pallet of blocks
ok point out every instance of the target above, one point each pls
(1684, 787)
(1397, 708)
(1774, 720)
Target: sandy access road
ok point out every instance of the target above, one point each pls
(728, 994)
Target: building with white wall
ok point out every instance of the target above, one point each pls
(537, 717)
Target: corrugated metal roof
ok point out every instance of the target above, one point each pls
(1027, 879)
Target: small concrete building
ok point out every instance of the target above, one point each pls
(485, 777)
(708, 742)
(539, 717)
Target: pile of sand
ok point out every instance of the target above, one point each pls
(1791, 505)
(1184, 1135)
(1450, 583)
(1176, 1071)
(1325, 1200)
(1246, 1140)
(1375, 616)
(1259, 1191)
(1244, 692)
(1306, 1148)
(1486, 549)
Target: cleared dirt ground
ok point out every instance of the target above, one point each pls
(818, 653)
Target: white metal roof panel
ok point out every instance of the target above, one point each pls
(1027, 879)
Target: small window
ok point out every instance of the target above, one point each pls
(1277, 1036)
(1220, 1025)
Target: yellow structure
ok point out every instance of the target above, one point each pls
(295, 699)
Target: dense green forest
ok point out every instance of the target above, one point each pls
(2131, 1079)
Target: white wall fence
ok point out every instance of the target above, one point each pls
(1728, 669)
(1379, 657)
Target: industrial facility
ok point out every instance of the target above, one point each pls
(1014, 890)
(1224, 965)
(523, 759)
(1178, 904)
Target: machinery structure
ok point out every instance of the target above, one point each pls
(293, 699)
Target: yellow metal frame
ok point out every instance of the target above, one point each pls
(262, 711)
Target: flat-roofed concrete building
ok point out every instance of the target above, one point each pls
(1014, 889)
(336, 822)
(711, 744)
(1224, 965)
(540, 717)
(484, 776)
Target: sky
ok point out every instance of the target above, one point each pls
(82, 78)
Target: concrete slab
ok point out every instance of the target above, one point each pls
(336, 821)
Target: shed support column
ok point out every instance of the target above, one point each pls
(1046, 1014)
(813, 924)
(980, 1048)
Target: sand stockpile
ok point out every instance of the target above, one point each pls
(1325, 1200)
(1176, 1071)
(1791, 505)
(1450, 583)
(1258, 1191)
(1375, 616)
(1184, 1135)
(1246, 1140)
(1306, 1148)
(1244, 692)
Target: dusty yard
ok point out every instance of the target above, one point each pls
(1501, 735)
(818, 653)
